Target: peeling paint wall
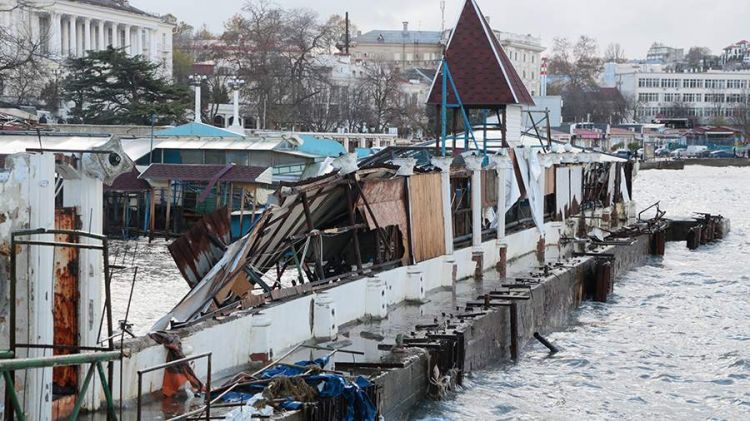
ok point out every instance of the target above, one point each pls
(27, 191)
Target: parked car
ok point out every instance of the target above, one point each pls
(722, 153)
(661, 152)
(623, 153)
(679, 153)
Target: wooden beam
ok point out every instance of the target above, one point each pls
(352, 221)
(169, 207)
(315, 244)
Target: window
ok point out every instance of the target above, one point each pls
(237, 157)
(648, 97)
(733, 84)
(671, 97)
(715, 84)
(735, 98)
(533, 59)
(191, 156)
(215, 157)
(524, 58)
(692, 83)
(716, 98)
(409, 56)
(670, 83)
(691, 97)
(648, 83)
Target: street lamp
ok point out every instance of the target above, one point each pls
(235, 85)
(195, 81)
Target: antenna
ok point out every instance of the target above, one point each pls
(442, 16)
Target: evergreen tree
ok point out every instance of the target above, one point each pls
(109, 87)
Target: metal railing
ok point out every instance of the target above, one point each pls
(206, 408)
(8, 365)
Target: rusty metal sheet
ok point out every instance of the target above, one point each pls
(198, 250)
(66, 299)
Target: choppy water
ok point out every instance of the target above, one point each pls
(673, 342)
(158, 286)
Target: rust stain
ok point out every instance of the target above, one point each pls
(66, 301)
(196, 252)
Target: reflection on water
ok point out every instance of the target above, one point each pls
(671, 344)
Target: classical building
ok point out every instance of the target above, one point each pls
(704, 97)
(66, 28)
(738, 53)
(408, 49)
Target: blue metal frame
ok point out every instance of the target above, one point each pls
(468, 130)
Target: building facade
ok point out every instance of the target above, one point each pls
(660, 53)
(69, 28)
(738, 53)
(424, 49)
(705, 97)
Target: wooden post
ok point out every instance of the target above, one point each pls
(311, 226)
(169, 208)
(152, 213)
(242, 210)
(352, 222)
(504, 127)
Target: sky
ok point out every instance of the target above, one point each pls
(635, 24)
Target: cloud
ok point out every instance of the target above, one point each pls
(635, 24)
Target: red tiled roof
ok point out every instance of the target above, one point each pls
(483, 74)
(202, 173)
(129, 182)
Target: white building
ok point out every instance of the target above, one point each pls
(737, 53)
(68, 28)
(706, 96)
(660, 53)
(525, 52)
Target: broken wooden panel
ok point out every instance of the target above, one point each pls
(386, 200)
(66, 300)
(427, 216)
(196, 252)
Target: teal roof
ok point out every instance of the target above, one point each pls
(320, 147)
(363, 152)
(194, 129)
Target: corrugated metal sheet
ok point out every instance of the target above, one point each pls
(196, 252)
(427, 216)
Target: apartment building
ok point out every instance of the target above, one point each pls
(705, 97)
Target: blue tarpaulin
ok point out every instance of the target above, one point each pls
(327, 385)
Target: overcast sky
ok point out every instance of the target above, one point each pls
(635, 24)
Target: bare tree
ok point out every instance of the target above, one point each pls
(614, 54)
(695, 56)
(381, 87)
(23, 55)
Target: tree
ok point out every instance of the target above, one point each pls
(695, 56)
(381, 88)
(109, 87)
(614, 54)
(23, 58)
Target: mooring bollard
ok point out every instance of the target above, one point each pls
(552, 349)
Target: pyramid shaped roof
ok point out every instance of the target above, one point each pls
(483, 73)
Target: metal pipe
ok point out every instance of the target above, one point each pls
(552, 349)
(56, 244)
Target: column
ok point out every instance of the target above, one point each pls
(444, 163)
(503, 165)
(72, 37)
(139, 41)
(86, 35)
(100, 37)
(197, 109)
(128, 40)
(152, 34)
(55, 34)
(115, 36)
(474, 164)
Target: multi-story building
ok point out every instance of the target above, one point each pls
(69, 28)
(660, 53)
(705, 97)
(423, 49)
(738, 53)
